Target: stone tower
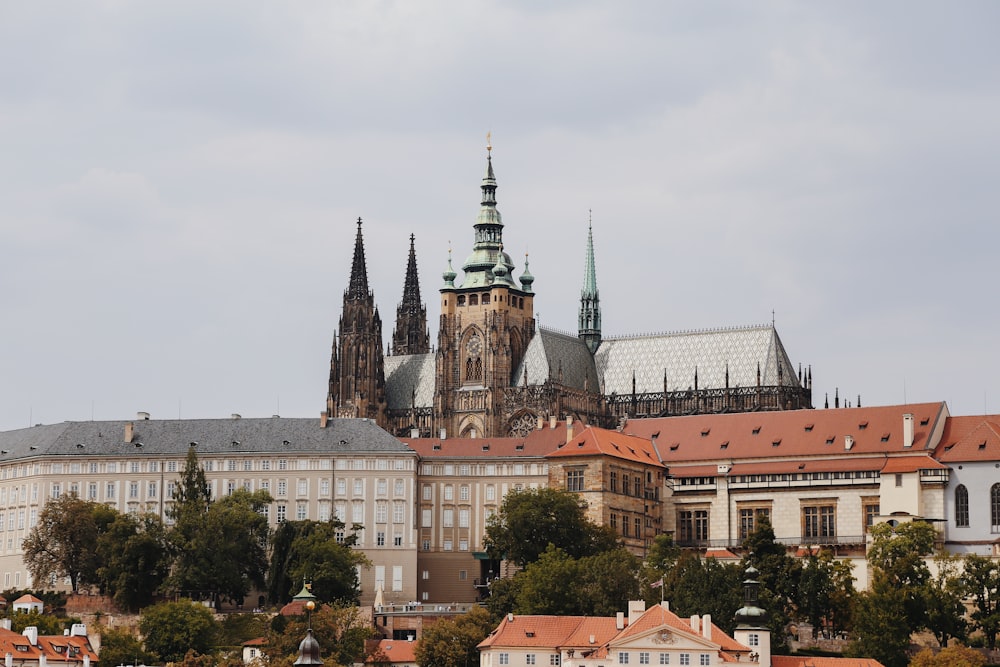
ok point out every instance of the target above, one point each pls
(486, 324)
(412, 335)
(357, 371)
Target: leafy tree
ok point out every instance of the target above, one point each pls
(47, 624)
(503, 597)
(531, 519)
(452, 643)
(880, 628)
(134, 559)
(660, 559)
(943, 600)
(238, 628)
(120, 647)
(953, 656)
(824, 594)
(982, 584)
(172, 629)
(705, 586)
(63, 542)
(309, 550)
(609, 579)
(779, 576)
(340, 631)
(219, 546)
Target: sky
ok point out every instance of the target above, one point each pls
(180, 183)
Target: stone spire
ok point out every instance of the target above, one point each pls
(358, 286)
(487, 252)
(411, 335)
(589, 328)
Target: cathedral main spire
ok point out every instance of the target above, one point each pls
(487, 252)
(358, 286)
(589, 325)
(411, 335)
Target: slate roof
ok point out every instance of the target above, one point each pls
(410, 381)
(214, 436)
(677, 355)
(552, 355)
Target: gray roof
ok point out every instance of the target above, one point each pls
(677, 355)
(410, 381)
(214, 436)
(550, 352)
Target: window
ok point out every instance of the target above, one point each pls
(381, 488)
(265, 464)
(463, 492)
(664, 658)
(92, 491)
(397, 540)
(324, 487)
(359, 487)
(56, 490)
(341, 487)
(504, 657)
(818, 521)
(449, 492)
(614, 521)
(282, 464)
(625, 484)
(638, 487)
(398, 488)
(529, 658)
(448, 518)
(357, 512)
(692, 525)
(447, 545)
(380, 539)
(491, 492)
(381, 511)
(463, 518)
(574, 480)
(685, 659)
(426, 518)
(397, 577)
(398, 512)
(753, 640)
(871, 511)
(554, 660)
(426, 492)
(962, 506)
(151, 490)
(637, 524)
(302, 487)
(230, 465)
(643, 657)
(281, 513)
(750, 517)
(899, 479)
(247, 464)
(704, 659)
(995, 508)
(282, 487)
(614, 481)
(622, 657)
(230, 487)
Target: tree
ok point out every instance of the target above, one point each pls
(660, 559)
(880, 628)
(704, 586)
(47, 624)
(63, 542)
(452, 643)
(219, 547)
(953, 656)
(779, 576)
(943, 600)
(312, 551)
(135, 563)
(982, 584)
(531, 519)
(340, 631)
(826, 587)
(121, 647)
(172, 629)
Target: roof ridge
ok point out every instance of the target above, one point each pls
(688, 332)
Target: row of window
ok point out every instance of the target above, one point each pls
(483, 469)
(624, 658)
(464, 492)
(484, 299)
(636, 530)
(962, 507)
(818, 521)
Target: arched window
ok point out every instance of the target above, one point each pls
(962, 506)
(995, 508)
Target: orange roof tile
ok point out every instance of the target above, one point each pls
(911, 464)
(813, 661)
(592, 440)
(562, 631)
(970, 439)
(397, 650)
(767, 435)
(477, 447)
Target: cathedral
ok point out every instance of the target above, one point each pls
(494, 372)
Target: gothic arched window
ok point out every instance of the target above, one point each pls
(962, 506)
(995, 508)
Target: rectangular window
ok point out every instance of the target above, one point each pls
(529, 658)
(302, 487)
(398, 512)
(463, 518)
(151, 490)
(448, 518)
(230, 465)
(449, 492)
(426, 518)
(505, 658)
(554, 660)
(282, 487)
(447, 545)
(426, 492)
(622, 657)
(664, 658)
(692, 525)
(281, 513)
(872, 511)
(643, 657)
(358, 512)
(819, 521)
(230, 487)
(359, 487)
(282, 464)
(397, 540)
(300, 511)
(92, 491)
(463, 492)
(704, 659)
(381, 487)
(398, 488)
(574, 480)
(491, 492)
(397, 577)
(750, 518)
(380, 539)
(341, 487)
(381, 512)
(265, 464)
(248, 465)
(637, 524)
(685, 659)
(753, 640)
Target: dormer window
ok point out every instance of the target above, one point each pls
(756, 430)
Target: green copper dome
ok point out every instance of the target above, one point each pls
(487, 252)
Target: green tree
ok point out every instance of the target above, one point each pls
(953, 656)
(704, 586)
(661, 557)
(219, 547)
(982, 584)
(311, 551)
(47, 624)
(63, 542)
(779, 575)
(531, 519)
(826, 587)
(503, 597)
(880, 628)
(172, 629)
(120, 647)
(135, 562)
(452, 643)
(340, 630)
(943, 600)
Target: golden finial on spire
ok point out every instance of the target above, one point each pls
(489, 142)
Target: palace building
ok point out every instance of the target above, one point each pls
(495, 371)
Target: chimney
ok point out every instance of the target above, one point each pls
(620, 621)
(414, 433)
(848, 442)
(706, 626)
(442, 434)
(569, 429)
(635, 610)
(472, 434)
(8, 660)
(665, 604)
(323, 419)
(5, 623)
(129, 431)
(78, 630)
(552, 421)
(541, 423)
(31, 632)
(908, 429)
(235, 416)
(695, 623)
(510, 617)
(593, 639)
(142, 416)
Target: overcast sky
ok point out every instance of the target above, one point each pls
(179, 184)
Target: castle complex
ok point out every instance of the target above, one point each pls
(495, 372)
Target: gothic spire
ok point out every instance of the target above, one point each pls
(589, 323)
(487, 252)
(411, 335)
(358, 287)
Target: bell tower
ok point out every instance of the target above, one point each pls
(486, 323)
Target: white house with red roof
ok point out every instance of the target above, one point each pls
(29, 649)
(970, 447)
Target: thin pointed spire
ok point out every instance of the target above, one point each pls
(589, 321)
(358, 287)
(411, 335)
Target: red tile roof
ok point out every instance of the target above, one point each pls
(970, 439)
(811, 661)
(911, 464)
(396, 650)
(591, 440)
(560, 631)
(768, 435)
(478, 447)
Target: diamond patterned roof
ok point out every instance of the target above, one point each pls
(677, 355)
(551, 351)
(406, 375)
